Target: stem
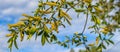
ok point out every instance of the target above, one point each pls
(71, 7)
(85, 22)
(84, 30)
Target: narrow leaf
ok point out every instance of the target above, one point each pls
(15, 44)
(103, 46)
(111, 41)
(97, 40)
(68, 21)
(40, 33)
(43, 40)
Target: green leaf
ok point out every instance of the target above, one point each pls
(111, 35)
(46, 34)
(47, 39)
(91, 44)
(73, 41)
(107, 42)
(36, 35)
(65, 45)
(111, 0)
(96, 20)
(15, 44)
(79, 10)
(10, 44)
(43, 40)
(33, 30)
(68, 21)
(78, 44)
(97, 40)
(29, 36)
(64, 14)
(71, 4)
(67, 41)
(99, 47)
(10, 40)
(100, 36)
(46, 29)
(54, 37)
(103, 46)
(111, 41)
(40, 33)
(63, 25)
(21, 36)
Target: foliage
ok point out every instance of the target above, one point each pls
(50, 15)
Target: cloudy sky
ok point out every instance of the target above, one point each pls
(10, 12)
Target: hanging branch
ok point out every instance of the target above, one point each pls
(84, 30)
(85, 22)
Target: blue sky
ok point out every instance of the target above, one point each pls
(10, 12)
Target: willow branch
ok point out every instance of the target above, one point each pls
(84, 42)
(85, 22)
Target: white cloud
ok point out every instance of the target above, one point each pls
(12, 2)
(16, 8)
(10, 8)
(3, 39)
(12, 11)
(15, 3)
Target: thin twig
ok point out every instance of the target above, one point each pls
(71, 7)
(84, 30)
(85, 22)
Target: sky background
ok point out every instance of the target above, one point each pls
(10, 12)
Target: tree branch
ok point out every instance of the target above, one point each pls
(85, 22)
(84, 42)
